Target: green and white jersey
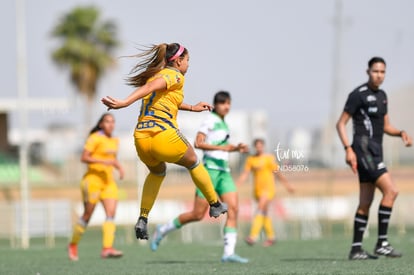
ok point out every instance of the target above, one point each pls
(217, 133)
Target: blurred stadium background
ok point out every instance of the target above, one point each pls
(293, 106)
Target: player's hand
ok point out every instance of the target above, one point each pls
(406, 139)
(201, 106)
(291, 189)
(243, 148)
(351, 159)
(121, 173)
(112, 103)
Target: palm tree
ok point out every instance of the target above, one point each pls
(86, 50)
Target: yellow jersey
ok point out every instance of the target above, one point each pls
(263, 168)
(159, 109)
(101, 147)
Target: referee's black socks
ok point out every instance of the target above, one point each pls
(360, 223)
(384, 214)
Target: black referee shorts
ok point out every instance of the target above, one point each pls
(370, 164)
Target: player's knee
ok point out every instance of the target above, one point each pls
(194, 162)
(392, 194)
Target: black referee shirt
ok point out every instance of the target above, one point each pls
(367, 108)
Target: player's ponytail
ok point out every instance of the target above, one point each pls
(154, 59)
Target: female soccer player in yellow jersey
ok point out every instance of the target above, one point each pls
(264, 168)
(98, 184)
(159, 79)
(213, 138)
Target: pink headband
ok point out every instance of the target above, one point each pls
(177, 54)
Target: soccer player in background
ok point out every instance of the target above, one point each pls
(213, 139)
(98, 184)
(159, 78)
(367, 106)
(264, 168)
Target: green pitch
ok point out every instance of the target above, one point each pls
(325, 256)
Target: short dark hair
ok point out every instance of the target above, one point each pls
(376, 59)
(221, 97)
(258, 140)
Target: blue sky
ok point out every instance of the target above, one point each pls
(275, 56)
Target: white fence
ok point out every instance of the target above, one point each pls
(47, 218)
(302, 218)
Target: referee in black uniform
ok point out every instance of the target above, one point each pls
(367, 106)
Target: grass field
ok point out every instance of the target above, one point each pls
(325, 256)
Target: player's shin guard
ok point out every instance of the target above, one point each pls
(257, 226)
(78, 231)
(202, 180)
(108, 233)
(152, 185)
(230, 239)
(268, 228)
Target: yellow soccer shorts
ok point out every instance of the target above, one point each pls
(97, 186)
(166, 146)
(269, 193)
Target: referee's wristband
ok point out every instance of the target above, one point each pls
(347, 146)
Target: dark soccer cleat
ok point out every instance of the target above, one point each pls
(141, 231)
(385, 249)
(217, 209)
(361, 255)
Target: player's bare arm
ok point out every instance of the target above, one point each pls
(392, 131)
(155, 85)
(289, 187)
(199, 107)
(87, 158)
(200, 143)
(350, 158)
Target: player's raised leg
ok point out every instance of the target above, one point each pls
(203, 182)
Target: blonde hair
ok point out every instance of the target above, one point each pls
(154, 59)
